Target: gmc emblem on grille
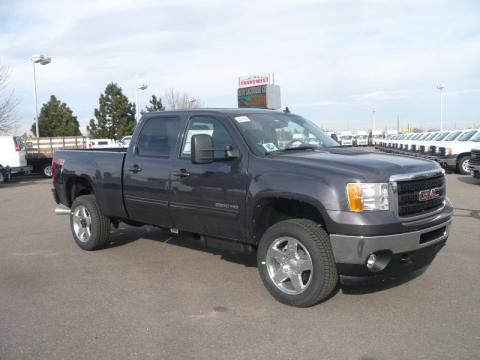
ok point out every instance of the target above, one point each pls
(429, 194)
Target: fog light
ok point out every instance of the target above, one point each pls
(371, 261)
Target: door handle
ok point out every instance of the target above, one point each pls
(181, 173)
(135, 169)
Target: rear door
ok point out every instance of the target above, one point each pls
(147, 170)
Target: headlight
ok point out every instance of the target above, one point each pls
(367, 196)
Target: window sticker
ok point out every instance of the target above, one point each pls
(270, 147)
(242, 119)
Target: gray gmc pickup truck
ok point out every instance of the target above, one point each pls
(264, 181)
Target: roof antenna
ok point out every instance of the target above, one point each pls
(287, 110)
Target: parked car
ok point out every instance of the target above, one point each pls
(312, 213)
(125, 141)
(39, 151)
(12, 157)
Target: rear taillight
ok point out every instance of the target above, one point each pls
(17, 147)
(56, 165)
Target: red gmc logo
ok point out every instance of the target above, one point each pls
(429, 194)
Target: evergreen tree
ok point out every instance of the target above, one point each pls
(155, 104)
(115, 116)
(56, 119)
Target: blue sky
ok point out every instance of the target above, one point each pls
(335, 61)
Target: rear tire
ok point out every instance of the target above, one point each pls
(47, 170)
(2, 176)
(462, 166)
(90, 228)
(303, 279)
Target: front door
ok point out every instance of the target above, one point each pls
(209, 199)
(147, 170)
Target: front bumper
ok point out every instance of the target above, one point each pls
(20, 169)
(351, 252)
(448, 162)
(474, 168)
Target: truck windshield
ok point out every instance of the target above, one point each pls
(276, 132)
(452, 136)
(466, 136)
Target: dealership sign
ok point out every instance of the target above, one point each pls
(254, 80)
(262, 97)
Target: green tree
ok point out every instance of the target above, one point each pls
(115, 116)
(56, 119)
(155, 104)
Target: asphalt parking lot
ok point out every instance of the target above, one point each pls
(151, 295)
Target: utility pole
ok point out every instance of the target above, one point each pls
(398, 123)
(374, 119)
(441, 87)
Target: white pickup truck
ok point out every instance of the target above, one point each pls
(12, 157)
(475, 161)
(456, 155)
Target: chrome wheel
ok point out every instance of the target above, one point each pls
(466, 166)
(289, 265)
(82, 223)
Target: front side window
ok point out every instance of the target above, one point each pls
(209, 126)
(278, 132)
(159, 136)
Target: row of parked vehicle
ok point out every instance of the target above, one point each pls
(455, 150)
(24, 155)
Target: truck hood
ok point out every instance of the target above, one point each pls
(357, 164)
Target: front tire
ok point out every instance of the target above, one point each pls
(463, 163)
(296, 263)
(90, 228)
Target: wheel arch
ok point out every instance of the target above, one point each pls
(272, 208)
(77, 186)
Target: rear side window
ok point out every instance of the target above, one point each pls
(159, 136)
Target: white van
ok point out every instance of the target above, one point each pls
(362, 138)
(346, 138)
(12, 157)
(377, 136)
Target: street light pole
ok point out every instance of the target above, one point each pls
(42, 60)
(142, 86)
(441, 87)
(374, 119)
(37, 133)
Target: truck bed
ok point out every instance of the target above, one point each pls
(103, 168)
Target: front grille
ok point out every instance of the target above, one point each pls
(414, 147)
(433, 149)
(422, 148)
(408, 196)
(475, 158)
(442, 151)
